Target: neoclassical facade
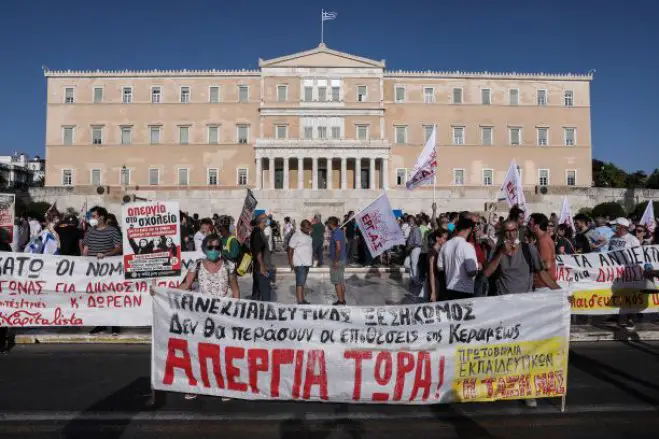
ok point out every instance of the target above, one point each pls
(320, 120)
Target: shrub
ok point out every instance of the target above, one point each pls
(638, 210)
(37, 209)
(611, 209)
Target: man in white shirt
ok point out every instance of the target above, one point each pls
(205, 227)
(458, 261)
(622, 238)
(300, 258)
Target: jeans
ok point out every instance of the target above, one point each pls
(301, 273)
(414, 264)
(318, 252)
(260, 287)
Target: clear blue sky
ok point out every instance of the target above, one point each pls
(619, 39)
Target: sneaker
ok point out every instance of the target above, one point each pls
(304, 302)
(339, 303)
(190, 396)
(531, 403)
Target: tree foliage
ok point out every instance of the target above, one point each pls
(609, 209)
(607, 174)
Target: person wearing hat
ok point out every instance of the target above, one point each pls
(622, 238)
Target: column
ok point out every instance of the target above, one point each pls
(287, 184)
(314, 172)
(371, 174)
(385, 174)
(358, 173)
(329, 173)
(259, 173)
(271, 172)
(344, 173)
(300, 173)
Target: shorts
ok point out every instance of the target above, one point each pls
(301, 273)
(336, 274)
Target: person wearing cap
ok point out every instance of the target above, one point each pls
(622, 238)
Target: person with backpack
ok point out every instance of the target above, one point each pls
(230, 253)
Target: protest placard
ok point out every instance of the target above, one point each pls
(244, 223)
(7, 215)
(485, 349)
(152, 240)
(379, 227)
(48, 290)
(611, 282)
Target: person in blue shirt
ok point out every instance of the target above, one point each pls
(337, 259)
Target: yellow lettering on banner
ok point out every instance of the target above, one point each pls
(528, 369)
(607, 300)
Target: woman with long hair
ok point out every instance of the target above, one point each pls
(564, 245)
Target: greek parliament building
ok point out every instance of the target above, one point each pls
(315, 120)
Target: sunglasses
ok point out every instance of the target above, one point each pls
(640, 231)
(214, 247)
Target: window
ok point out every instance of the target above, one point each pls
(97, 135)
(126, 135)
(513, 96)
(570, 135)
(486, 96)
(124, 176)
(67, 136)
(322, 94)
(67, 177)
(212, 177)
(543, 177)
(185, 95)
(282, 93)
(399, 93)
(336, 94)
(243, 93)
(336, 132)
(155, 95)
(242, 176)
(401, 135)
(243, 133)
(362, 132)
(282, 131)
(308, 94)
(95, 177)
(458, 135)
(568, 98)
(361, 93)
(486, 135)
(98, 95)
(401, 176)
(68, 95)
(543, 134)
(308, 132)
(213, 135)
(127, 95)
(571, 177)
(488, 177)
(322, 133)
(214, 95)
(155, 135)
(154, 176)
(459, 176)
(457, 95)
(515, 135)
(427, 132)
(182, 176)
(542, 97)
(428, 95)
(183, 135)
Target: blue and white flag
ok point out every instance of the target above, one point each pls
(326, 16)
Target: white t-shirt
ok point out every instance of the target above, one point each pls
(457, 258)
(198, 240)
(620, 242)
(35, 228)
(268, 234)
(301, 243)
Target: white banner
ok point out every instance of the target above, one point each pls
(379, 226)
(648, 218)
(493, 348)
(47, 290)
(566, 215)
(426, 164)
(512, 189)
(612, 282)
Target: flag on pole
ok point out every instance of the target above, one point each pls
(83, 215)
(648, 218)
(426, 164)
(326, 16)
(512, 188)
(378, 226)
(566, 215)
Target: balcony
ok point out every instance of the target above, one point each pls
(322, 143)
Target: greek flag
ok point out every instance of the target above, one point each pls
(329, 16)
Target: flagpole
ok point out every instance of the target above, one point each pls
(322, 26)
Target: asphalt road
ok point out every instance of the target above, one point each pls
(100, 391)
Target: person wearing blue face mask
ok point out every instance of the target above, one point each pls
(209, 275)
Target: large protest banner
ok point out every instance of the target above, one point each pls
(7, 213)
(611, 282)
(506, 347)
(47, 290)
(152, 241)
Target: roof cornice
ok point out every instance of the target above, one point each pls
(489, 75)
(148, 73)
